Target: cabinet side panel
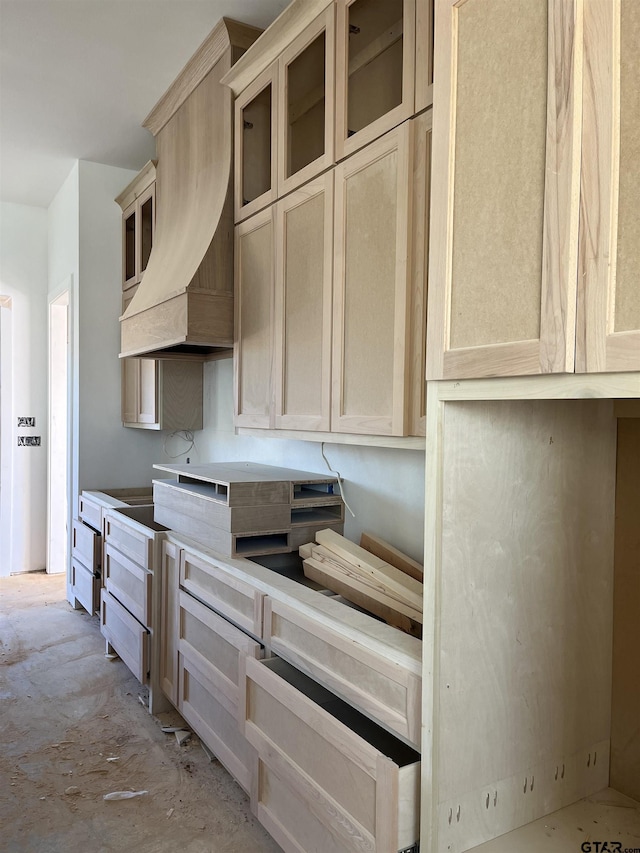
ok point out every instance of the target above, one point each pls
(304, 273)
(369, 288)
(526, 604)
(499, 172)
(627, 298)
(625, 713)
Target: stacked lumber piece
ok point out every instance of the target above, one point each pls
(365, 579)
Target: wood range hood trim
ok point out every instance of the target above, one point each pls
(184, 302)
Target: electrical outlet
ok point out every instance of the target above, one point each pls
(26, 422)
(28, 441)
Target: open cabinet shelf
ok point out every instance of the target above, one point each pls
(531, 673)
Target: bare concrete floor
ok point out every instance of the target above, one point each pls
(65, 710)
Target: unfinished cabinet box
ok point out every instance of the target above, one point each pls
(372, 287)
(531, 589)
(375, 69)
(132, 597)
(327, 777)
(161, 394)
(534, 249)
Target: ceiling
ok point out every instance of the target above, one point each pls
(77, 78)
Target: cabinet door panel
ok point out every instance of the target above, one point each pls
(253, 351)
(503, 261)
(371, 287)
(306, 111)
(609, 297)
(170, 572)
(375, 62)
(304, 222)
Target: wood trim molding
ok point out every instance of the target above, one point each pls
(273, 41)
(227, 33)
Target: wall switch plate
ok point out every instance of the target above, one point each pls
(28, 441)
(26, 422)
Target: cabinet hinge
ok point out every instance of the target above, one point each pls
(415, 848)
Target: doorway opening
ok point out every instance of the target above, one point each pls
(6, 419)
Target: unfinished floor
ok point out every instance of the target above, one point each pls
(65, 711)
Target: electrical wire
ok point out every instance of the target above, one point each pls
(185, 435)
(337, 473)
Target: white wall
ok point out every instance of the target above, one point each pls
(85, 246)
(110, 455)
(23, 277)
(383, 486)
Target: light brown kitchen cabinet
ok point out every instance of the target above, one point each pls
(305, 130)
(534, 250)
(304, 254)
(372, 287)
(327, 78)
(255, 145)
(253, 348)
(375, 69)
(331, 305)
(138, 203)
(608, 336)
(160, 394)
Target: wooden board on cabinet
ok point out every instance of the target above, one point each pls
(392, 555)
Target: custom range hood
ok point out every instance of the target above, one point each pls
(184, 302)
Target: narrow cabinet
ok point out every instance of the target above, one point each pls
(255, 145)
(253, 348)
(375, 69)
(371, 287)
(306, 89)
(304, 252)
(138, 203)
(608, 336)
(503, 249)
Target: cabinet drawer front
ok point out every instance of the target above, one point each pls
(90, 512)
(359, 781)
(127, 636)
(129, 541)
(215, 646)
(85, 586)
(200, 706)
(86, 545)
(218, 588)
(130, 584)
(379, 687)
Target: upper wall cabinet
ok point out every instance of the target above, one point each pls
(375, 63)
(327, 78)
(138, 203)
(609, 259)
(535, 199)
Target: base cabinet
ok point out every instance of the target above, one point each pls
(324, 768)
